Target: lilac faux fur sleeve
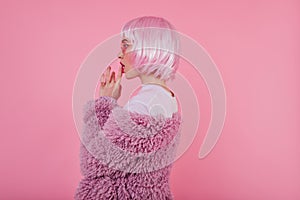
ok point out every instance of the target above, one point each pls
(126, 155)
(101, 107)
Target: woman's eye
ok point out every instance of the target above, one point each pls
(124, 47)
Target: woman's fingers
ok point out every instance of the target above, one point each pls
(112, 78)
(119, 76)
(110, 83)
(107, 74)
(108, 79)
(102, 80)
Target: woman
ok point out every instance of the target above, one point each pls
(127, 152)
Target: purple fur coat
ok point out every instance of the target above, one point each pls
(126, 155)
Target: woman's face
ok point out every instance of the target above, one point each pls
(126, 59)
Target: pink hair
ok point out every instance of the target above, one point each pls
(155, 45)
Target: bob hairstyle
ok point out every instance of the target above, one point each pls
(155, 46)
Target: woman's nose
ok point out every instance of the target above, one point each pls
(120, 55)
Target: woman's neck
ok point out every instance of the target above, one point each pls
(150, 79)
(147, 79)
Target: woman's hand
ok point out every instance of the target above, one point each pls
(110, 86)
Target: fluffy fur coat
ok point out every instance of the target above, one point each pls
(126, 155)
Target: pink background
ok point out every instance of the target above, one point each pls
(255, 45)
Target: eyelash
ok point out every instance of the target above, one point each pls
(126, 45)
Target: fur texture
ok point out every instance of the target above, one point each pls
(125, 155)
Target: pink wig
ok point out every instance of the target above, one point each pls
(155, 46)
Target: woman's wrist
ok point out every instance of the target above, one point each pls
(108, 97)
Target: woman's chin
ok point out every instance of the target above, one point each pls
(128, 76)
